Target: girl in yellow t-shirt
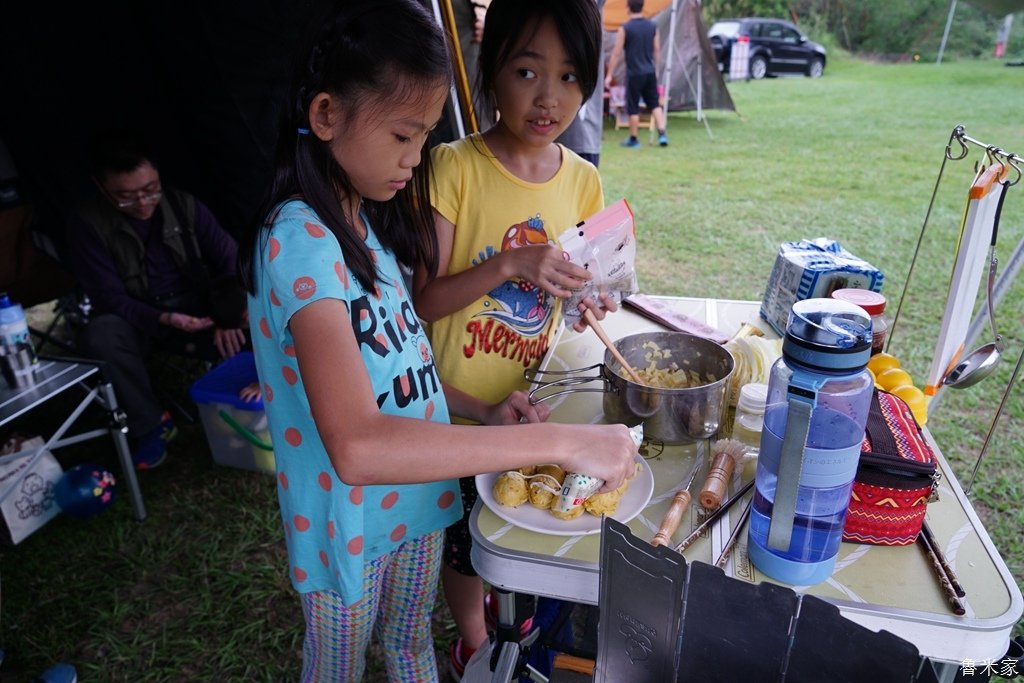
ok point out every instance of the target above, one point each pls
(500, 200)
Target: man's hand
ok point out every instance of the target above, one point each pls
(228, 342)
(185, 322)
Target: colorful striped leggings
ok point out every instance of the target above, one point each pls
(399, 591)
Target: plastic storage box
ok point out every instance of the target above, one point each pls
(237, 430)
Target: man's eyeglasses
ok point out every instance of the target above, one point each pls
(139, 200)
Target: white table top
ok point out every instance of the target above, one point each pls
(878, 587)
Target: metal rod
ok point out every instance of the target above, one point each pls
(995, 420)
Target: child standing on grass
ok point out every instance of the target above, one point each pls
(502, 198)
(367, 459)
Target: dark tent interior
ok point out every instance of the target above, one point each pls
(199, 81)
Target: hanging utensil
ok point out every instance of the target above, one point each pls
(979, 363)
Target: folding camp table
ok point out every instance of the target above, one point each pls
(52, 378)
(891, 588)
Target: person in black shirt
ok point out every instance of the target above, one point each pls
(638, 40)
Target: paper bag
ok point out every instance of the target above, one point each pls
(27, 484)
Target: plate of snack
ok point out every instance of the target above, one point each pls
(525, 498)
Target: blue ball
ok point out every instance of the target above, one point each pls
(85, 490)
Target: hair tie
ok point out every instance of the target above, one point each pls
(303, 131)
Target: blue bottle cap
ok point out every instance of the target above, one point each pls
(828, 334)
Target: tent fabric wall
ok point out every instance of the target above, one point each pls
(691, 46)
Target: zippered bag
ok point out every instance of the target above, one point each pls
(896, 477)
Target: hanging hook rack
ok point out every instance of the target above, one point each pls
(995, 155)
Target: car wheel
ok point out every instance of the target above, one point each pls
(816, 68)
(758, 67)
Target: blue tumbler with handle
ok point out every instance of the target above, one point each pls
(819, 394)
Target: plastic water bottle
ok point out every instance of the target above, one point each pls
(14, 334)
(819, 394)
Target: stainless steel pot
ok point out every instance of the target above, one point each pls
(669, 415)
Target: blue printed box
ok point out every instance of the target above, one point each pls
(813, 269)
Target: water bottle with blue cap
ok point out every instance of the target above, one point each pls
(819, 394)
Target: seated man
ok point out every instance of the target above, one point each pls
(142, 252)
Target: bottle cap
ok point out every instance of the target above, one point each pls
(830, 335)
(752, 398)
(872, 302)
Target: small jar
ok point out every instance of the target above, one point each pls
(749, 420)
(874, 304)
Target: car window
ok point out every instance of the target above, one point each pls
(773, 31)
(790, 35)
(728, 29)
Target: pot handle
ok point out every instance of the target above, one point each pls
(566, 378)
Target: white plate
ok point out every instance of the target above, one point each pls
(637, 495)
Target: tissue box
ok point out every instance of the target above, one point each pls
(237, 430)
(813, 269)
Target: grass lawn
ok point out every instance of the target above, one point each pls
(198, 591)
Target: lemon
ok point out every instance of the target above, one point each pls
(882, 361)
(893, 377)
(915, 400)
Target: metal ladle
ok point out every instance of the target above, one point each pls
(979, 363)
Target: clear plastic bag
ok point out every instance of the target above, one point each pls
(604, 244)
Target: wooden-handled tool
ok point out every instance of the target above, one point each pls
(588, 315)
(674, 515)
(725, 455)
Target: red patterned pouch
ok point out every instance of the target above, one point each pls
(896, 477)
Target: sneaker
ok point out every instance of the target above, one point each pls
(59, 673)
(151, 449)
(632, 143)
(491, 617)
(663, 140)
(458, 658)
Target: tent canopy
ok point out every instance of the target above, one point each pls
(693, 58)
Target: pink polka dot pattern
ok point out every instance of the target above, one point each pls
(265, 328)
(382, 340)
(274, 247)
(325, 481)
(324, 560)
(289, 351)
(355, 496)
(315, 230)
(398, 533)
(304, 287)
(273, 298)
(301, 523)
(289, 375)
(342, 273)
(300, 574)
(331, 529)
(355, 546)
(388, 501)
(445, 500)
(268, 393)
(429, 412)
(293, 436)
(282, 479)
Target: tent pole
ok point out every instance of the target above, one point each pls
(945, 34)
(446, 20)
(670, 54)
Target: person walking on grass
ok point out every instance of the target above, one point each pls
(637, 39)
(367, 459)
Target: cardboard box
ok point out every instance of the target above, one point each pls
(813, 269)
(237, 430)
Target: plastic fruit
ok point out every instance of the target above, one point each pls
(915, 400)
(893, 377)
(882, 361)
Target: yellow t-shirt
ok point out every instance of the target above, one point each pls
(484, 348)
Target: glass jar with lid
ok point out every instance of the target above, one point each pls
(873, 304)
(749, 420)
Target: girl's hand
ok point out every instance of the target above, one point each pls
(514, 409)
(606, 452)
(604, 305)
(250, 392)
(545, 266)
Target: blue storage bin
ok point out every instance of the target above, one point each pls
(236, 430)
